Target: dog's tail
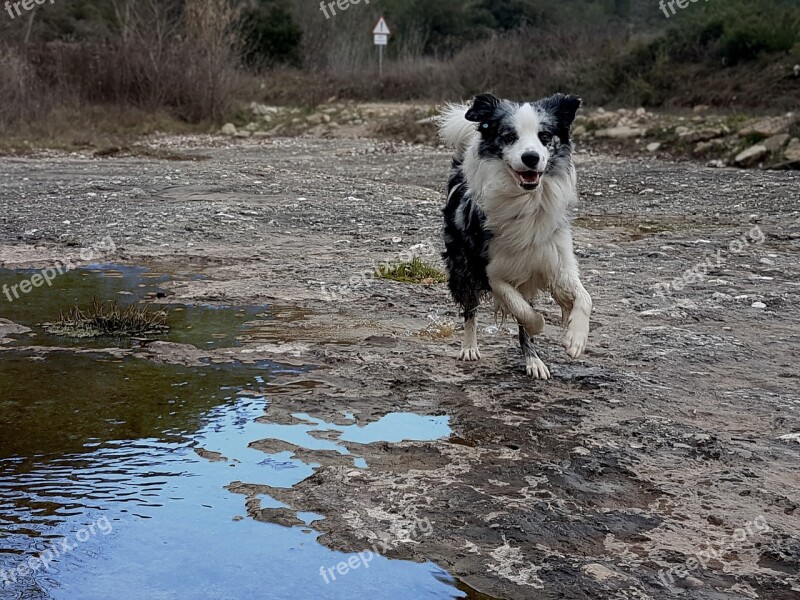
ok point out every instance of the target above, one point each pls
(454, 129)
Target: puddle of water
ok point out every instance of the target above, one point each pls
(204, 326)
(84, 438)
(394, 427)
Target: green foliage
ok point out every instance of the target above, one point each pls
(445, 25)
(270, 36)
(75, 20)
(734, 31)
(711, 36)
(512, 14)
(449, 25)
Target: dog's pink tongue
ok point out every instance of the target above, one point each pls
(530, 177)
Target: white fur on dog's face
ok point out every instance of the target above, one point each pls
(528, 141)
(527, 123)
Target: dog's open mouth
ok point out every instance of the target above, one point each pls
(528, 180)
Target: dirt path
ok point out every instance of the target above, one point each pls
(660, 449)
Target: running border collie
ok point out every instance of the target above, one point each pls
(507, 228)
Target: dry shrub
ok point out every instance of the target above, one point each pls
(23, 95)
(184, 64)
(526, 63)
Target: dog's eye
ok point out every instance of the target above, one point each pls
(545, 137)
(508, 138)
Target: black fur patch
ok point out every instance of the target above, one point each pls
(494, 118)
(466, 244)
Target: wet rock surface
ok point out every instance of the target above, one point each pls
(671, 438)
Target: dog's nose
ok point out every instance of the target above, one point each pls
(531, 160)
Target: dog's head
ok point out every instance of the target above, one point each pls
(531, 138)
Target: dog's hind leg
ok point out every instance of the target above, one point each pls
(533, 364)
(469, 345)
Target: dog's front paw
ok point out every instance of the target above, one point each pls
(469, 354)
(536, 369)
(575, 341)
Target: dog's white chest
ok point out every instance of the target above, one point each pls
(527, 266)
(523, 249)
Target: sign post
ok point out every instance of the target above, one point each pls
(381, 33)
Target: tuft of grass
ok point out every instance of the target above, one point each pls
(416, 271)
(438, 331)
(109, 319)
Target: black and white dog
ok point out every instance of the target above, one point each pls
(507, 227)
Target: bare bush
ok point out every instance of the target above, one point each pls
(523, 63)
(161, 59)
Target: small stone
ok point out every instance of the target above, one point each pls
(228, 129)
(768, 127)
(751, 156)
(792, 152)
(653, 146)
(702, 135)
(599, 572)
(693, 582)
(758, 305)
(776, 142)
(707, 147)
(621, 132)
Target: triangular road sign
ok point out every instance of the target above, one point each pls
(381, 28)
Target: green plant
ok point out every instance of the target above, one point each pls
(269, 36)
(415, 271)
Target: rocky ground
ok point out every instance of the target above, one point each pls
(662, 464)
(714, 139)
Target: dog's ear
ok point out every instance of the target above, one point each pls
(483, 108)
(564, 107)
